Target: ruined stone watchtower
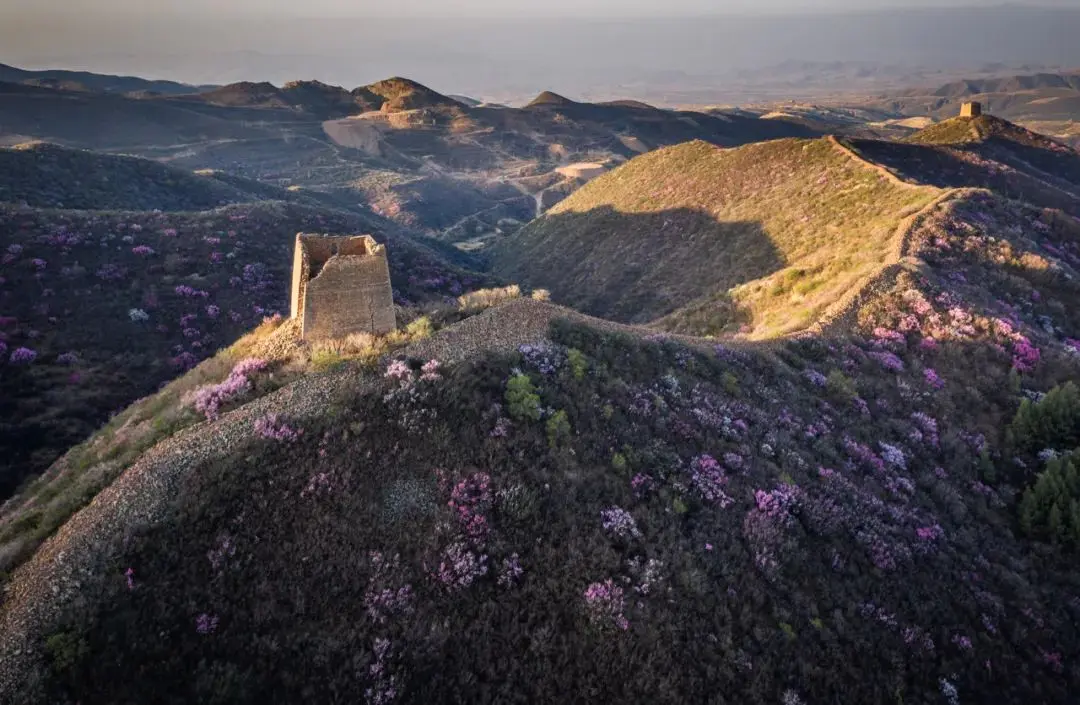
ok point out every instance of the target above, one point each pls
(341, 285)
(971, 109)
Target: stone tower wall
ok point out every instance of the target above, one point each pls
(971, 109)
(341, 285)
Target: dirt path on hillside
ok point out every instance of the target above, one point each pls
(840, 315)
(867, 164)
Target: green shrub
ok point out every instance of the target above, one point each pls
(618, 461)
(326, 360)
(420, 328)
(578, 364)
(558, 429)
(66, 650)
(1050, 510)
(840, 386)
(731, 384)
(1052, 422)
(521, 398)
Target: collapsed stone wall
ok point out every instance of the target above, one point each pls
(341, 285)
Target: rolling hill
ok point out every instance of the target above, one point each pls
(1044, 102)
(799, 424)
(764, 240)
(985, 152)
(84, 80)
(535, 505)
(761, 238)
(118, 273)
(44, 175)
(332, 140)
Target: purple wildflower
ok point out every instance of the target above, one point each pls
(888, 360)
(210, 399)
(605, 603)
(460, 566)
(22, 356)
(206, 623)
(708, 479)
(511, 571)
(620, 523)
(273, 427)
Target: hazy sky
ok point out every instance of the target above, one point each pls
(496, 48)
(503, 8)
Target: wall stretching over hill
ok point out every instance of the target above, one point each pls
(759, 239)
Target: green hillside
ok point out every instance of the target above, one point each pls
(759, 239)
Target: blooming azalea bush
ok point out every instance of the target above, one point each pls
(688, 510)
(208, 400)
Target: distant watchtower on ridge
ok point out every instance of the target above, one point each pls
(971, 109)
(341, 285)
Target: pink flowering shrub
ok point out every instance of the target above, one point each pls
(511, 571)
(22, 356)
(384, 685)
(273, 427)
(210, 399)
(605, 603)
(206, 623)
(1025, 355)
(888, 360)
(385, 597)
(619, 523)
(708, 478)
(460, 566)
(933, 379)
(471, 499)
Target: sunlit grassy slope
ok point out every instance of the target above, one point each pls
(759, 239)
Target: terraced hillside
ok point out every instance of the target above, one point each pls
(535, 506)
(760, 239)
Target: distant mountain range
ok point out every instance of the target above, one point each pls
(84, 80)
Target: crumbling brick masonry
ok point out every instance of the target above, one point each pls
(341, 285)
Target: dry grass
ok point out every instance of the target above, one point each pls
(701, 240)
(952, 131)
(476, 301)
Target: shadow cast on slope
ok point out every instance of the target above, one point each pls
(971, 167)
(637, 267)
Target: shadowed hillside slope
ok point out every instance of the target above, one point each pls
(44, 175)
(111, 304)
(537, 507)
(760, 238)
(1010, 144)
